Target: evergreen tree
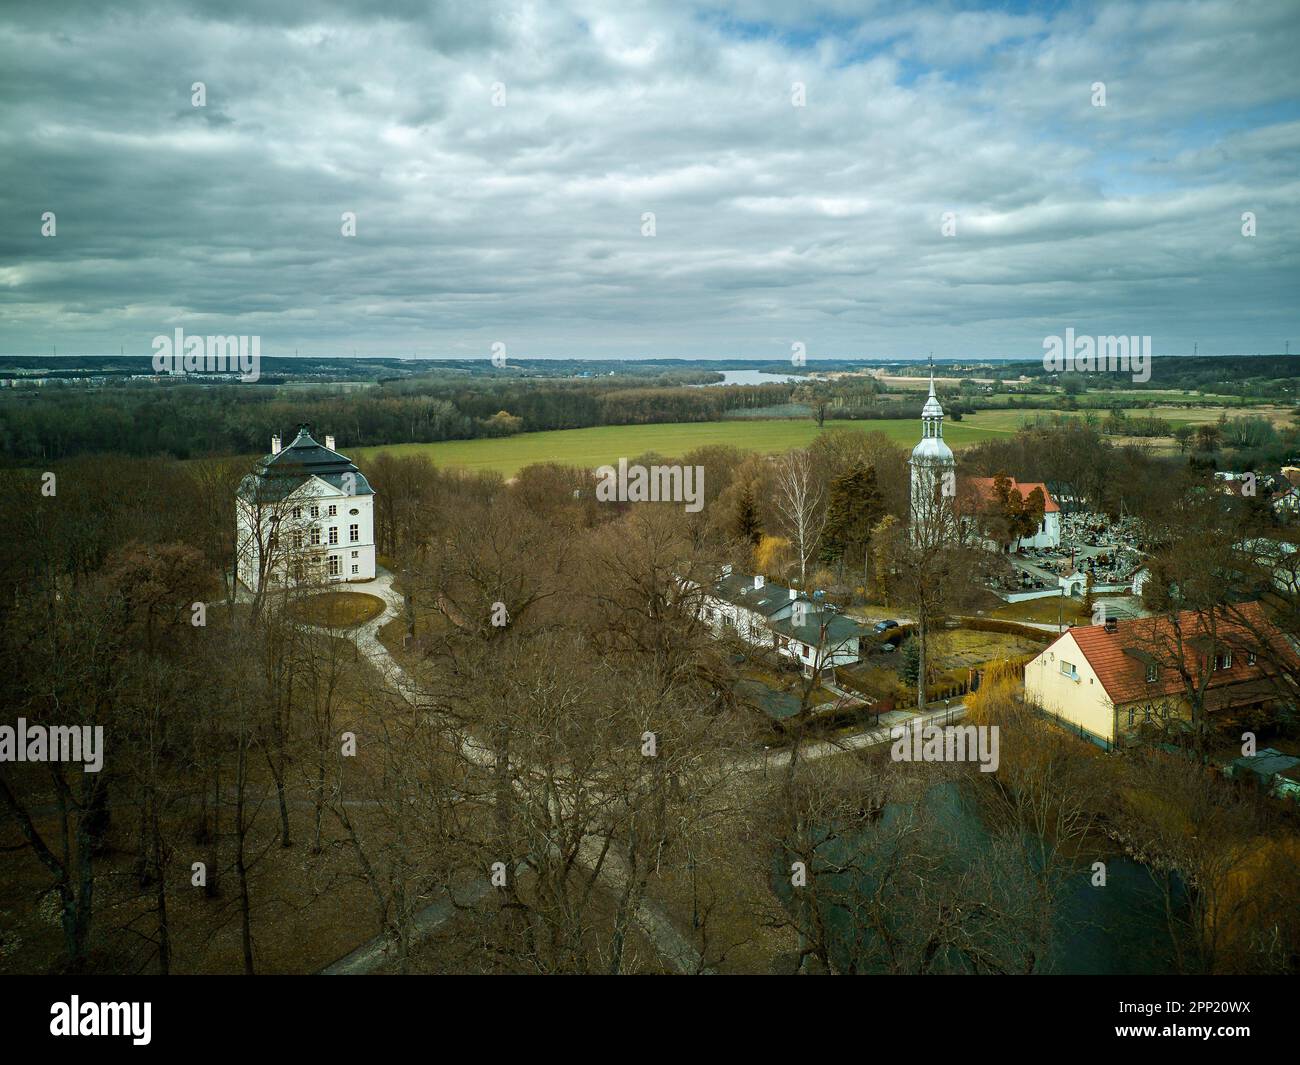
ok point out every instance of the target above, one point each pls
(748, 527)
(910, 666)
(854, 507)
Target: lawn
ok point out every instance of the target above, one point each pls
(589, 448)
(1044, 610)
(337, 610)
(961, 649)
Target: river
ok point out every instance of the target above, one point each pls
(751, 377)
(1118, 929)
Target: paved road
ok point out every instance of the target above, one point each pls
(672, 946)
(859, 741)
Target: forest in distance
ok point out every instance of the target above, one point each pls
(193, 418)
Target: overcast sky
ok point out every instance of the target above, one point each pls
(774, 223)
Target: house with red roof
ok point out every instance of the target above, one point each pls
(1109, 681)
(979, 494)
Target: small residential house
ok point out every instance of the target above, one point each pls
(818, 638)
(305, 515)
(1275, 773)
(746, 604)
(781, 619)
(1107, 681)
(1286, 504)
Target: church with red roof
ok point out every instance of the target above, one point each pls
(980, 493)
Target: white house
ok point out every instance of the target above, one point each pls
(1287, 504)
(780, 619)
(747, 605)
(980, 492)
(304, 515)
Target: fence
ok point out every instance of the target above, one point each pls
(1079, 730)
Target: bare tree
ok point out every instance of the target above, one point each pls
(798, 502)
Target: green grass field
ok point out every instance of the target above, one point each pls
(594, 447)
(590, 448)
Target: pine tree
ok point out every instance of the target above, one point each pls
(910, 667)
(854, 506)
(748, 526)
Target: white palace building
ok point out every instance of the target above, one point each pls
(305, 515)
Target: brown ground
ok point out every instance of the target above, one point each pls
(337, 610)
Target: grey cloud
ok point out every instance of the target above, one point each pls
(521, 223)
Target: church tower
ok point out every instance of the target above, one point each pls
(931, 460)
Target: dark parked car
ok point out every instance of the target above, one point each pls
(885, 626)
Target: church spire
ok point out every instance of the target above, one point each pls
(932, 412)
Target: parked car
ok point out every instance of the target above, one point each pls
(885, 626)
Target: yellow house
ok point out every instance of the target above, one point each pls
(1108, 681)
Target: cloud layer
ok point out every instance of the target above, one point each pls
(773, 223)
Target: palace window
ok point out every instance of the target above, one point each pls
(297, 512)
(335, 566)
(297, 538)
(332, 511)
(1251, 658)
(356, 554)
(315, 535)
(1223, 660)
(354, 533)
(354, 569)
(1152, 672)
(334, 534)
(315, 512)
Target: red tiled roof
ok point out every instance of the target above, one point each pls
(983, 487)
(1123, 674)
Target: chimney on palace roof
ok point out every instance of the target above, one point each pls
(329, 443)
(275, 444)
